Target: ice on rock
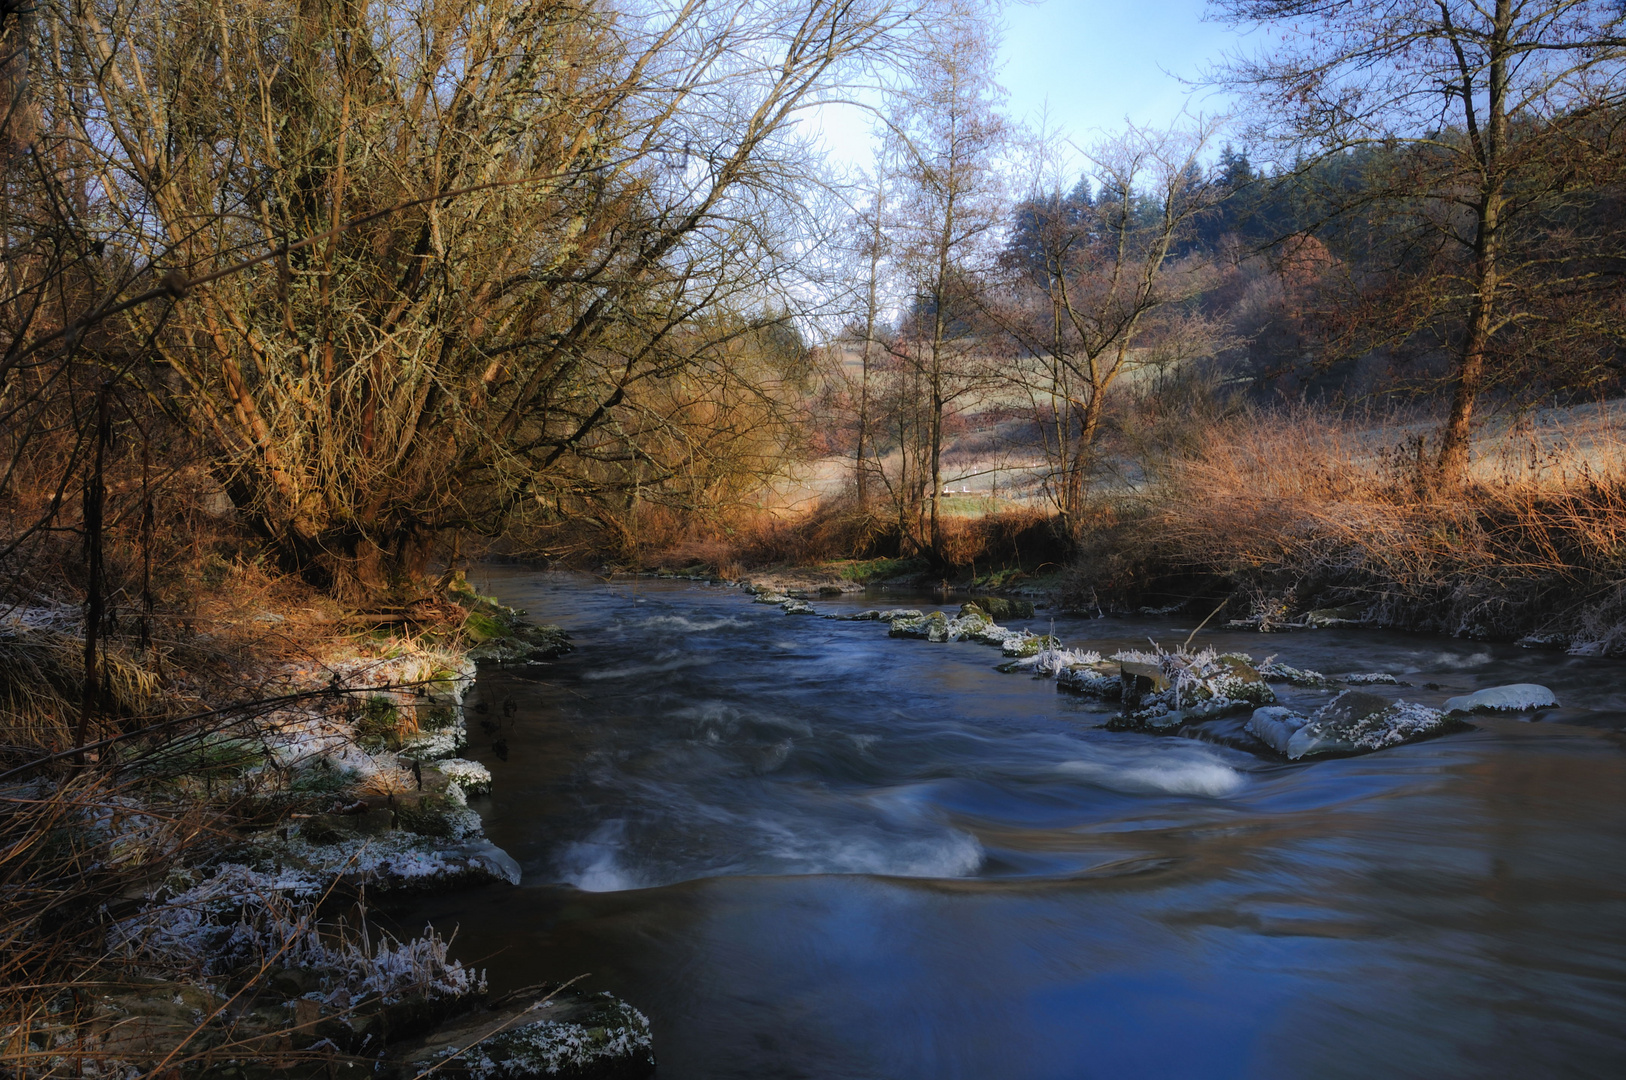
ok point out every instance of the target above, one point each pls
(1275, 726)
(1354, 722)
(1515, 697)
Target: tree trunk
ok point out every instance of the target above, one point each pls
(1455, 441)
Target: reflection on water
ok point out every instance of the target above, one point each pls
(806, 849)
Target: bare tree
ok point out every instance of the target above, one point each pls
(951, 203)
(1496, 102)
(1096, 283)
(477, 237)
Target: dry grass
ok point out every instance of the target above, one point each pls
(1307, 510)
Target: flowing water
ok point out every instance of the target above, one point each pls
(805, 849)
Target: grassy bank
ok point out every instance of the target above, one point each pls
(186, 866)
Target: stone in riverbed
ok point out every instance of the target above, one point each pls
(570, 1036)
(1003, 607)
(1140, 679)
(1354, 722)
(1271, 671)
(1163, 690)
(1515, 697)
(894, 614)
(797, 607)
(1024, 644)
(1275, 726)
(1094, 678)
(933, 627)
(1348, 615)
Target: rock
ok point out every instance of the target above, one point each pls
(1275, 726)
(1024, 644)
(483, 858)
(1162, 690)
(1139, 680)
(1348, 615)
(573, 1035)
(473, 777)
(1515, 697)
(829, 590)
(1544, 641)
(1271, 671)
(520, 642)
(797, 607)
(894, 614)
(1099, 678)
(863, 616)
(933, 627)
(1354, 722)
(1372, 678)
(769, 596)
(1002, 607)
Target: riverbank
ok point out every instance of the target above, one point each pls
(1274, 520)
(192, 893)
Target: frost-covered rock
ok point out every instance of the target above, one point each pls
(797, 607)
(1004, 607)
(1025, 644)
(895, 614)
(1163, 690)
(447, 742)
(1348, 615)
(1515, 697)
(1271, 671)
(1086, 673)
(1275, 726)
(399, 859)
(1354, 722)
(471, 777)
(933, 627)
(971, 624)
(1372, 678)
(569, 1036)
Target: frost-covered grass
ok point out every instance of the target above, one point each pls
(613, 1031)
(240, 919)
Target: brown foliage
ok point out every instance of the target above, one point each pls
(1308, 510)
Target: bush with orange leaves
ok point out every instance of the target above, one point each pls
(1305, 510)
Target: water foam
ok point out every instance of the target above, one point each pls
(656, 666)
(687, 625)
(594, 864)
(1170, 773)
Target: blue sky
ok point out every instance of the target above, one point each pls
(1098, 61)
(1094, 62)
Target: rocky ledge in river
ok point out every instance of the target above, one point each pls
(1354, 722)
(536, 1032)
(1168, 692)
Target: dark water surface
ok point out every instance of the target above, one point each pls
(807, 850)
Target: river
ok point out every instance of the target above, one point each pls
(806, 849)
